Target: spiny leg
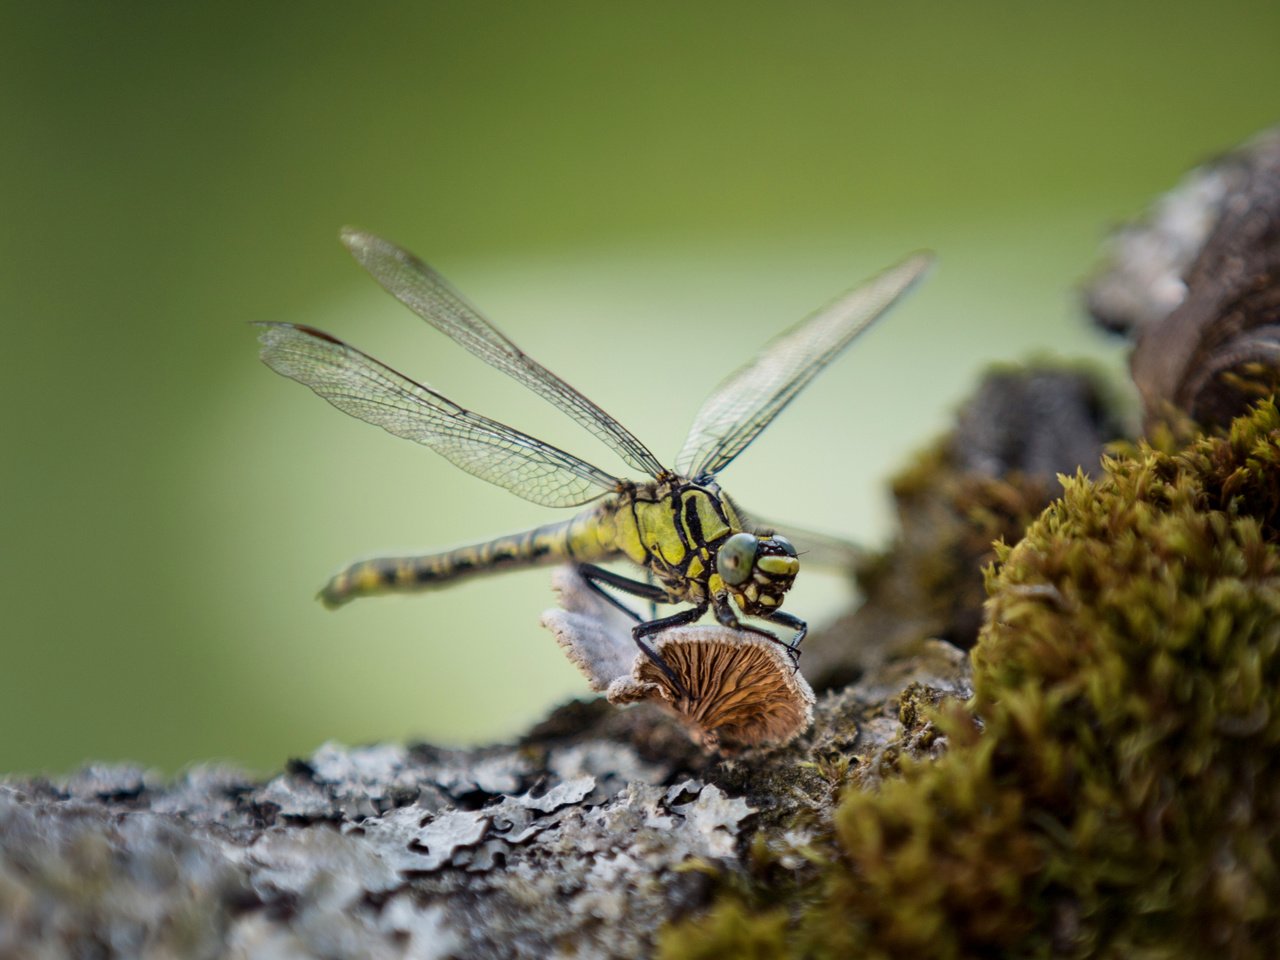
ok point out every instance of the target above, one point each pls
(726, 616)
(596, 577)
(679, 619)
(799, 626)
(795, 623)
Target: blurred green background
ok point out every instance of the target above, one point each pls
(602, 179)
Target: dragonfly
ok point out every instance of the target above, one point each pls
(694, 544)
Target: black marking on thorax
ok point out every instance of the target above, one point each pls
(697, 543)
(693, 522)
(687, 523)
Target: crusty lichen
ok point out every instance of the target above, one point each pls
(581, 840)
(1111, 788)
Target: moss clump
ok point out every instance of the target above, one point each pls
(729, 930)
(1112, 788)
(1129, 676)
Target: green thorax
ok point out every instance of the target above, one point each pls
(673, 527)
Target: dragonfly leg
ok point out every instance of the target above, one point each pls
(679, 619)
(597, 578)
(795, 623)
(726, 616)
(799, 626)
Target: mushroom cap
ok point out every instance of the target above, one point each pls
(740, 689)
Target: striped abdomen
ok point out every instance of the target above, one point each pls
(587, 537)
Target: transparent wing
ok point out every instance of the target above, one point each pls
(431, 297)
(816, 549)
(746, 402)
(361, 386)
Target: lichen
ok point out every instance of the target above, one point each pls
(1110, 789)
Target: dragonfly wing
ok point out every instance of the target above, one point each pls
(746, 402)
(431, 297)
(357, 384)
(815, 549)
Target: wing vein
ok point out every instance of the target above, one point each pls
(748, 400)
(430, 296)
(371, 391)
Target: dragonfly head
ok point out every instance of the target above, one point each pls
(758, 571)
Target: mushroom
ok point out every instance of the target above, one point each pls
(739, 689)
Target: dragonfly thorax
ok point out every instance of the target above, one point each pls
(690, 537)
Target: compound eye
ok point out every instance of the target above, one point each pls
(736, 557)
(787, 546)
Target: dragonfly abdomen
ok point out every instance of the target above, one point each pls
(586, 537)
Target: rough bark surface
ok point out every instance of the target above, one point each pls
(580, 840)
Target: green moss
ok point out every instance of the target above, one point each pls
(1113, 788)
(729, 930)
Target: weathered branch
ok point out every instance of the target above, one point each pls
(583, 839)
